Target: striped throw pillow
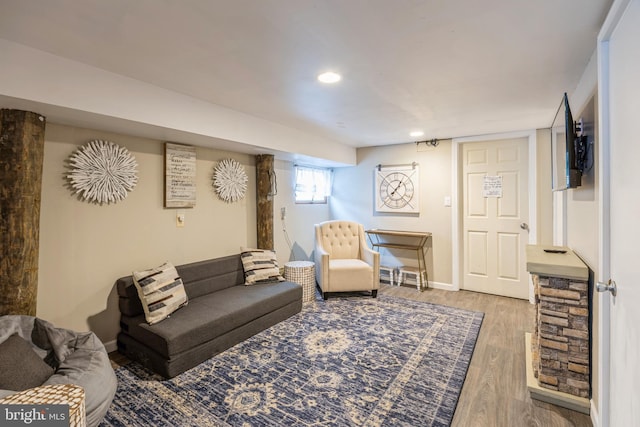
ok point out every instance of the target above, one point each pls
(161, 292)
(260, 266)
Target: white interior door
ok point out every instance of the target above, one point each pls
(495, 217)
(619, 87)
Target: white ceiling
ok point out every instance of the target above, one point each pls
(449, 67)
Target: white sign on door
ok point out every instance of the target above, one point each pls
(492, 186)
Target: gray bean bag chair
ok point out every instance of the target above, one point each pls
(69, 358)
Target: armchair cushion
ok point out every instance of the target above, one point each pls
(350, 275)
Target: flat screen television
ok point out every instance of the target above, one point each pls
(566, 167)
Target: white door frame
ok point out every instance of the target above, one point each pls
(600, 415)
(456, 212)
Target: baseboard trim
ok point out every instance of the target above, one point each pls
(111, 346)
(432, 285)
(445, 286)
(595, 417)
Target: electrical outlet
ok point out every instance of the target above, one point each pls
(447, 201)
(283, 213)
(180, 219)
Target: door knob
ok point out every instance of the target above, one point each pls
(610, 286)
(524, 226)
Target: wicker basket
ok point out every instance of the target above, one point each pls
(54, 394)
(302, 273)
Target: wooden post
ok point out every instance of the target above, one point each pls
(264, 183)
(21, 159)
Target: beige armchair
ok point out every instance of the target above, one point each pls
(343, 260)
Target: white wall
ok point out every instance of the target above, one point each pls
(545, 196)
(582, 202)
(299, 219)
(85, 247)
(353, 199)
(582, 217)
(582, 222)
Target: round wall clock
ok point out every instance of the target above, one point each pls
(230, 180)
(397, 189)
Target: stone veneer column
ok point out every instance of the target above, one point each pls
(560, 343)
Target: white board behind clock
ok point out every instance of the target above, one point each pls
(397, 189)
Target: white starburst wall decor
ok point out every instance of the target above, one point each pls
(230, 180)
(102, 172)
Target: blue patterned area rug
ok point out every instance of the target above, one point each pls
(343, 362)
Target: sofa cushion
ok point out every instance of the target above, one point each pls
(210, 316)
(161, 292)
(199, 278)
(204, 277)
(20, 367)
(178, 363)
(260, 266)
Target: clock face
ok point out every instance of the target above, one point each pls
(397, 190)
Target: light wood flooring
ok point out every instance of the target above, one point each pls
(495, 390)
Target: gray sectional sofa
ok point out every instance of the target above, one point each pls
(222, 311)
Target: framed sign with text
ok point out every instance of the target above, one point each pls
(179, 176)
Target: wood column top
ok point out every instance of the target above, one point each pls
(566, 265)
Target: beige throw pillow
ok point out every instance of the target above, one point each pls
(161, 292)
(260, 266)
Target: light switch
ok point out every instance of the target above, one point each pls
(447, 201)
(180, 219)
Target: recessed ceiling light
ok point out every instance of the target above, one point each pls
(329, 77)
(416, 133)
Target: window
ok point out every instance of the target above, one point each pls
(313, 185)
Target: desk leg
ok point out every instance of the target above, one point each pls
(422, 266)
